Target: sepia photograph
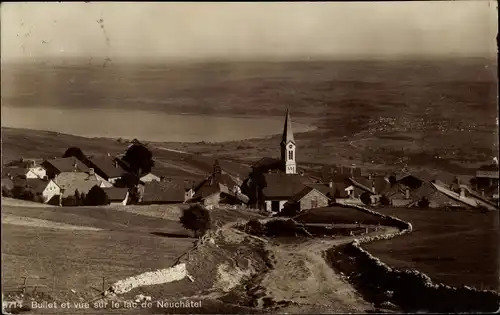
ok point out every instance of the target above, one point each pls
(250, 157)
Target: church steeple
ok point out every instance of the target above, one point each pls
(287, 129)
(288, 146)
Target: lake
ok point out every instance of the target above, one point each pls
(154, 126)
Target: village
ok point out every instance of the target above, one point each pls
(273, 186)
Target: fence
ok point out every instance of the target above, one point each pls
(31, 285)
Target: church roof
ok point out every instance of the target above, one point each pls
(287, 129)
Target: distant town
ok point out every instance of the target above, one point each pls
(273, 186)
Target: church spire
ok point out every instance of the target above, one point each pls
(287, 129)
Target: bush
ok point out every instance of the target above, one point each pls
(20, 192)
(365, 198)
(424, 203)
(96, 197)
(6, 192)
(197, 219)
(254, 227)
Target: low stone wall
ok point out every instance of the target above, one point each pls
(410, 289)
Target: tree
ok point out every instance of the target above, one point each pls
(21, 192)
(74, 152)
(197, 219)
(6, 192)
(96, 197)
(365, 198)
(139, 158)
(385, 201)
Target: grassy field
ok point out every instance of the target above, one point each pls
(456, 248)
(339, 215)
(133, 240)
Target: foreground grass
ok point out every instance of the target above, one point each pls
(456, 248)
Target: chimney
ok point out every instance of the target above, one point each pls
(482, 193)
(330, 184)
(91, 171)
(115, 162)
(407, 193)
(462, 192)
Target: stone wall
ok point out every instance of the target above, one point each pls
(305, 202)
(412, 290)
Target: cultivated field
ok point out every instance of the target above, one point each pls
(454, 247)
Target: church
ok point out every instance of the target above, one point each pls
(276, 183)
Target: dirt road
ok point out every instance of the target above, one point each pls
(301, 275)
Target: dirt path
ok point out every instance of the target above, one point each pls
(33, 222)
(302, 275)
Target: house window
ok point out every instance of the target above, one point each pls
(314, 203)
(290, 155)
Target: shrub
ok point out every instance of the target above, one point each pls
(197, 219)
(6, 192)
(20, 192)
(365, 198)
(254, 227)
(424, 203)
(385, 201)
(96, 197)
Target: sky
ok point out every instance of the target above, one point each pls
(169, 30)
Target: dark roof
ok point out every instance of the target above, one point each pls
(72, 181)
(489, 167)
(13, 171)
(115, 193)
(284, 186)
(362, 183)
(324, 188)
(107, 166)
(164, 191)
(67, 164)
(35, 184)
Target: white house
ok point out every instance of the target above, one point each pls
(36, 172)
(149, 177)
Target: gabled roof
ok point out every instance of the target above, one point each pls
(115, 193)
(362, 183)
(72, 181)
(164, 191)
(284, 186)
(489, 168)
(107, 166)
(323, 188)
(37, 185)
(455, 196)
(304, 192)
(69, 164)
(287, 129)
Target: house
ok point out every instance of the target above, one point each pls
(47, 189)
(70, 182)
(487, 176)
(117, 196)
(279, 188)
(107, 167)
(163, 192)
(219, 188)
(57, 166)
(308, 198)
(149, 177)
(33, 171)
